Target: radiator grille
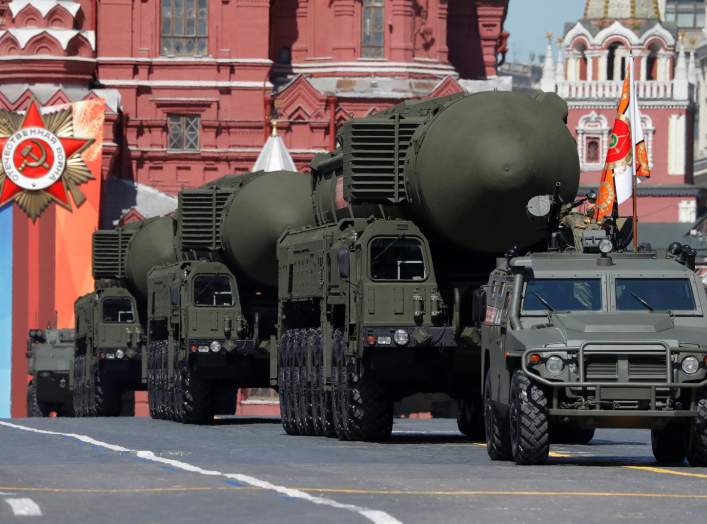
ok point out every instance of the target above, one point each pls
(625, 368)
(109, 249)
(374, 158)
(200, 212)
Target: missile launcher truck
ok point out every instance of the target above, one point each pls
(110, 335)
(211, 315)
(375, 301)
(50, 359)
(584, 336)
(352, 285)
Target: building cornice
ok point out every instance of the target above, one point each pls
(185, 84)
(183, 60)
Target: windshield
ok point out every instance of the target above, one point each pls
(118, 310)
(397, 259)
(562, 294)
(212, 290)
(654, 294)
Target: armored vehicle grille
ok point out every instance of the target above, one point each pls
(375, 158)
(200, 212)
(626, 368)
(109, 250)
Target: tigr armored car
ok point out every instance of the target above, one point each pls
(595, 340)
(50, 356)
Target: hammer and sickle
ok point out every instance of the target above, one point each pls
(31, 159)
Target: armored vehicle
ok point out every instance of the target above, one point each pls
(107, 359)
(375, 301)
(50, 354)
(574, 340)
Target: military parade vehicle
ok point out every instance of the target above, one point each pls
(50, 354)
(375, 301)
(581, 337)
(351, 285)
(109, 362)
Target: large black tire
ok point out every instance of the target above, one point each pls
(106, 396)
(306, 416)
(368, 409)
(498, 442)
(338, 386)
(285, 385)
(529, 427)
(697, 448)
(670, 443)
(179, 393)
(470, 419)
(34, 407)
(570, 433)
(316, 385)
(78, 387)
(198, 408)
(151, 382)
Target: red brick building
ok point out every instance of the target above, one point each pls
(192, 85)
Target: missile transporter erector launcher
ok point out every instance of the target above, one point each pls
(110, 321)
(375, 302)
(211, 315)
(50, 356)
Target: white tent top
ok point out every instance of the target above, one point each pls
(274, 155)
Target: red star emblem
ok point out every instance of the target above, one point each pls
(34, 158)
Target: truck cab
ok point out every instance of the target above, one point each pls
(198, 342)
(50, 355)
(591, 340)
(361, 294)
(108, 352)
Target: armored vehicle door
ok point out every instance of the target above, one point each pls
(499, 292)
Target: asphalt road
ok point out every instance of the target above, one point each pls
(242, 470)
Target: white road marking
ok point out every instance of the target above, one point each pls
(375, 516)
(24, 507)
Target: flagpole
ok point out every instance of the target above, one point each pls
(632, 107)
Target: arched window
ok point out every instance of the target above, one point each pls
(652, 62)
(373, 29)
(616, 62)
(592, 154)
(184, 26)
(582, 62)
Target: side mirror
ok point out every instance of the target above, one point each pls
(344, 261)
(174, 296)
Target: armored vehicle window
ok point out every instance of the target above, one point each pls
(654, 294)
(117, 310)
(562, 294)
(397, 259)
(213, 290)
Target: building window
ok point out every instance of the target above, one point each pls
(184, 27)
(372, 39)
(592, 153)
(183, 132)
(686, 13)
(687, 211)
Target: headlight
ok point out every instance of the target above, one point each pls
(690, 365)
(215, 346)
(605, 246)
(554, 365)
(119, 353)
(401, 337)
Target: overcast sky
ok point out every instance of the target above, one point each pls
(529, 20)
